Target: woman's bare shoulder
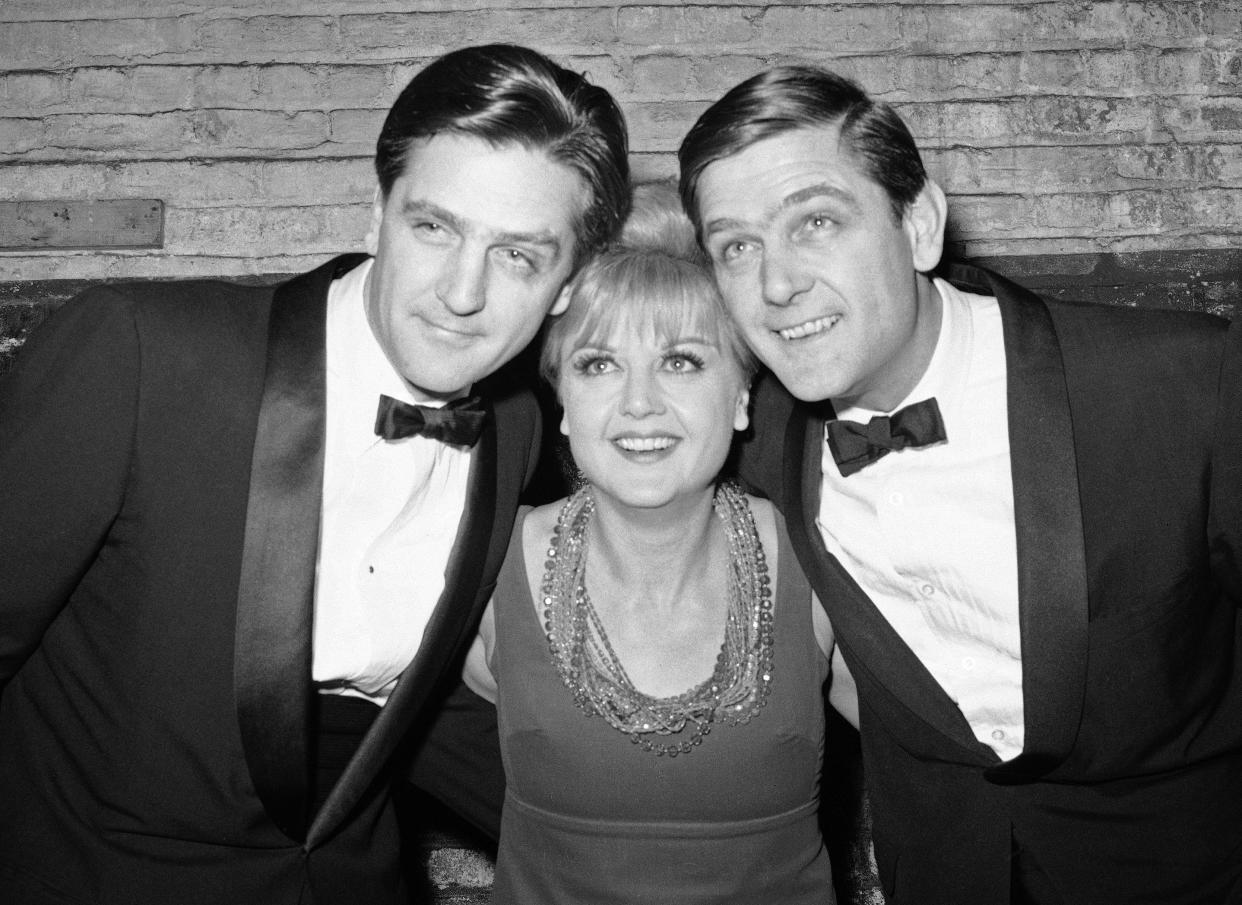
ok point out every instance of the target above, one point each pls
(536, 532)
(539, 523)
(762, 507)
(766, 516)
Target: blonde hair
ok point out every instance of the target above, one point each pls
(656, 276)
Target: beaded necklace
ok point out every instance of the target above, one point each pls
(738, 686)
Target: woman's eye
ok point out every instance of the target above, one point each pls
(683, 363)
(590, 365)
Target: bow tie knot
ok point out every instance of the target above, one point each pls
(459, 422)
(855, 446)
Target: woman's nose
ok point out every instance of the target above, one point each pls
(642, 394)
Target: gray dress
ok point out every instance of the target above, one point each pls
(589, 817)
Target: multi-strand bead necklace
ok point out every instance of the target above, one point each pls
(738, 686)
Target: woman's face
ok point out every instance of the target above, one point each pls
(650, 417)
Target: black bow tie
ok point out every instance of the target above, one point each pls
(855, 446)
(459, 422)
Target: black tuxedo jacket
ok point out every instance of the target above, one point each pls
(1125, 431)
(161, 456)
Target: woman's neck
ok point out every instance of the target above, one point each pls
(656, 553)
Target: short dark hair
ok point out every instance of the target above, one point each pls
(505, 94)
(795, 97)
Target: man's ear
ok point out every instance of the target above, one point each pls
(562, 301)
(741, 414)
(377, 217)
(924, 223)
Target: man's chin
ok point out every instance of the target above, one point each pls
(805, 389)
(810, 395)
(440, 387)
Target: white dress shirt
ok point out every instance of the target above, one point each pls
(929, 534)
(390, 514)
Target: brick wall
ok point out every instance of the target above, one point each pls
(1108, 128)
(1091, 149)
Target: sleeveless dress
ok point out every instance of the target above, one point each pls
(592, 819)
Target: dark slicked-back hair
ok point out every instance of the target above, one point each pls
(505, 94)
(797, 97)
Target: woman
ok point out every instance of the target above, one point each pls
(655, 653)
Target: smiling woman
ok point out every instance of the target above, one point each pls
(651, 373)
(663, 602)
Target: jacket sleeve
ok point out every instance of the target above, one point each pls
(1225, 514)
(760, 455)
(67, 420)
(458, 762)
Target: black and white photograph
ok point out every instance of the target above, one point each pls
(538, 452)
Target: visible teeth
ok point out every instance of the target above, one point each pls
(644, 444)
(819, 325)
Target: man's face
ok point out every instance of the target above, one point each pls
(472, 247)
(819, 274)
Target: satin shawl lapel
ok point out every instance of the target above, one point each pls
(871, 645)
(272, 656)
(1052, 572)
(491, 501)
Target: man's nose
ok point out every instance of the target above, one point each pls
(462, 287)
(783, 276)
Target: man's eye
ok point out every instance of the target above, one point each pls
(431, 231)
(517, 259)
(732, 251)
(816, 223)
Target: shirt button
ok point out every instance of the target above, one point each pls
(896, 498)
(969, 663)
(998, 734)
(927, 590)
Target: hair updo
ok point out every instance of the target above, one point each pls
(654, 277)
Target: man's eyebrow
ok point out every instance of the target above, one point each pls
(818, 190)
(419, 208)
(414, 207)
(720, 225)
(542, 239)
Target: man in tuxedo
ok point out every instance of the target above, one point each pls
(1022, 516)
(245, 533)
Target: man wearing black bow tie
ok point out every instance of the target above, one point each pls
(1023, 517)
(246, 533)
